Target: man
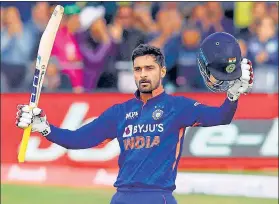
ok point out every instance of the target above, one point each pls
(95, 45)
(16, 48)
(150, 127)
(124, 32)
(66, 47)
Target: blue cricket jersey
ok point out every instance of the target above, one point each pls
(150, 136)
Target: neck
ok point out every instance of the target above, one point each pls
(145, 96)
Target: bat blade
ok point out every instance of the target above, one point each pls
(44, 52)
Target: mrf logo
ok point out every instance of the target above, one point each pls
(131, 115)
(139, 142)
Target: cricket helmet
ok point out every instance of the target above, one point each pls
(220, 56)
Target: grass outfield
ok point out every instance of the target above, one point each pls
(27, 194)
(268, 172)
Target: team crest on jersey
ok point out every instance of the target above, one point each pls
(157, 114)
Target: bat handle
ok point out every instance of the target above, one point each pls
(24, 144)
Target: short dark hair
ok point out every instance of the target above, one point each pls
(145, 49)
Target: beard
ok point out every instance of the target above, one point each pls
(146, 87)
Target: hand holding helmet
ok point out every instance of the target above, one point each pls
(245, 83)
(222, 67)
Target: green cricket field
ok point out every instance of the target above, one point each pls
(32, 194)
(26, 194)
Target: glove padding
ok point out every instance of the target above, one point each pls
(244, 84)
(35, 117)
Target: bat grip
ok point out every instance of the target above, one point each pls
(24, 144)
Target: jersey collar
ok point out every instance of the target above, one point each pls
(155, 93)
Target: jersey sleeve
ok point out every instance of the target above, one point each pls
(90, 135)
(195, 114)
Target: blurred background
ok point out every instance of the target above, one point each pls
(90, 70)
(93, 47)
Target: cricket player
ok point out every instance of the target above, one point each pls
(150, 126)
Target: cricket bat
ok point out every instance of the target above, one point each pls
(44, 52)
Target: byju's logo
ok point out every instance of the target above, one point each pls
(128, 131)
(144, 128)
(131, 115)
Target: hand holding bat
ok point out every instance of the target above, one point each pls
(35, 117)
(45, 47)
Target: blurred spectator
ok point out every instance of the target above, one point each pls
(23, 7)
(95, 45)
(264, 46)
(126, 37)
(40, 16)
(37, 24)
(4, 84)
(169, 21)
(273, 11)
(164, 30)
(174, 15)
(199, 17)
(259, 10)
(2, 17)
(218, 20)
(124, 32)
(243, 48)
(16, 39)
(16, 46)
(264, 52)
(186, 7)
(110, 7)
(143, 17)
(188, 73)
(210, 18)
(54, 80)
(169, 24)
(66, 48)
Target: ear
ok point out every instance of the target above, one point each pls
(163, 72)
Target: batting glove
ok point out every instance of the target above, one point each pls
(35, 117)
(244, 84)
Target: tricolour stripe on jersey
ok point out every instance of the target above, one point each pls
(180, 135)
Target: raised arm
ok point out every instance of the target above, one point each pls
(90, 135)
(195, 114)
